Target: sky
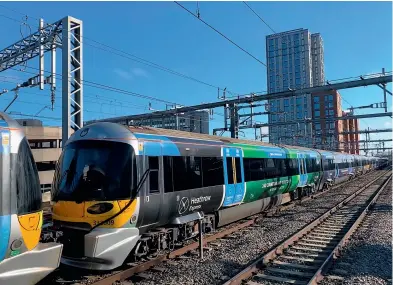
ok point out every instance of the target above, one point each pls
(357, 40)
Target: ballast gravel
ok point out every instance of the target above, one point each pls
(224, 261)
(367, 258)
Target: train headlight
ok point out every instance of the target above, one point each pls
(16, 244)
(100, 208)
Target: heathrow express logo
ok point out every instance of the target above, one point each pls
(183, 205)
(84, 132)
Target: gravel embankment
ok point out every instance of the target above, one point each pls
(224, 261)
(367, 258)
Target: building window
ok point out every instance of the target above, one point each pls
(316, 106)
(316, 99)
(317, 114)
(329, 98)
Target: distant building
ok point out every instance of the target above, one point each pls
(326, 134)
(45, 144)
(295, 60)
(351, 140)
(329, 134)
(195, 121)
(29, 122)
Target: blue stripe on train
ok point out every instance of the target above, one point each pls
(5, 148)
(3, 123)
(5, 228)
(167, 146)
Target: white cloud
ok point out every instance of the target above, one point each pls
(132, 73)
(387, 124)
(139, 72)
(123, 74)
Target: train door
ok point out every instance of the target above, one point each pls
(233, 176)
(153, 195)
(5, 195)
(336, 166)
(302, 169)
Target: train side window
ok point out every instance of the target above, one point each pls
(168, 172)
(180, 176)
(331, 164)
(153, 176)
(293, 168)
(195, 171)
(269, 168)
(281, 167)
(229, 170)
(187, 172)
(28, 187)
(212, 171)
(317, 164)
(238, 170)
(254, 169)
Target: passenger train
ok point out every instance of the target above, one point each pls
(124, 192)
(23, 259)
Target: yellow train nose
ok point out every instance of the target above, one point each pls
(30, 226)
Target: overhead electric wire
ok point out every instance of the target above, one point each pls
(224, 36)
(9, 18)
(110, 99)
(108, 88)
(132, 57)
(259, 17)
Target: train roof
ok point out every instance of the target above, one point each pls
(9, 123)
(190, 135)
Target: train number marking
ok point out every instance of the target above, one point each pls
(108, 223)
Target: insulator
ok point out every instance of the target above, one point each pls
(52, 99)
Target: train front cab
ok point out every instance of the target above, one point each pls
(23, 260)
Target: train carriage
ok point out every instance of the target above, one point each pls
(121, 191)
(23, 259)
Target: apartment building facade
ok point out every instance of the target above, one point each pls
(295, 60)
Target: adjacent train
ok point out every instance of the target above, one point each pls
(124, 192)
(23, 259)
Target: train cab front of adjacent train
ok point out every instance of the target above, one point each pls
(23, 259)
(94, 207)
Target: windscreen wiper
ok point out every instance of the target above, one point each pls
(138, 188)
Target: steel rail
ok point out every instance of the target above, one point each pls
(278, 250)
(318, 276)
(129, 272)
(121, 276)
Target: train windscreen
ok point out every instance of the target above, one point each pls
(95, 170)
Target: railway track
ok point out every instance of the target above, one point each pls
(137, 268)
(305, 256)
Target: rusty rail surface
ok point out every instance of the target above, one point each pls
(261, 262)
